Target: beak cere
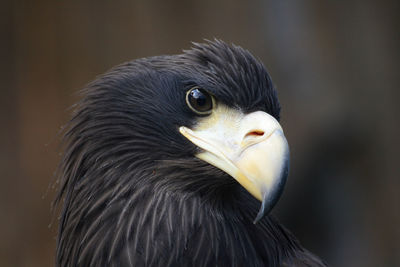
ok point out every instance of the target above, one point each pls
(251, 148)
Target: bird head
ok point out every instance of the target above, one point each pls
(202, 122)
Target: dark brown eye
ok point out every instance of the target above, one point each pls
(199, 100)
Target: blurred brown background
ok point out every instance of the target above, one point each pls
(336, 67)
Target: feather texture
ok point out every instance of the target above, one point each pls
(132, 192)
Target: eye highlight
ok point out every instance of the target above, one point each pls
(200, 101)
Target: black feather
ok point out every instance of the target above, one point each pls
(134, 194)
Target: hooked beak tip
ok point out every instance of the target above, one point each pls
(271, 198)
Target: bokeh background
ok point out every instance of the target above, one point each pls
(336, 67)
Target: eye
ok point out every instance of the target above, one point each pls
(199, 100)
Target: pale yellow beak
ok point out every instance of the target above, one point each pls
(251, 148)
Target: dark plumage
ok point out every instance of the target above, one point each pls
(135, 194)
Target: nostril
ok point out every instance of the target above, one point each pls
(255, 133)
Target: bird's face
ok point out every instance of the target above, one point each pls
(251, 147)
(232, 105)
(181, 119)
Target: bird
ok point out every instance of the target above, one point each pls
(177, 160)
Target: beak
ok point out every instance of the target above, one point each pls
(251, 148)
